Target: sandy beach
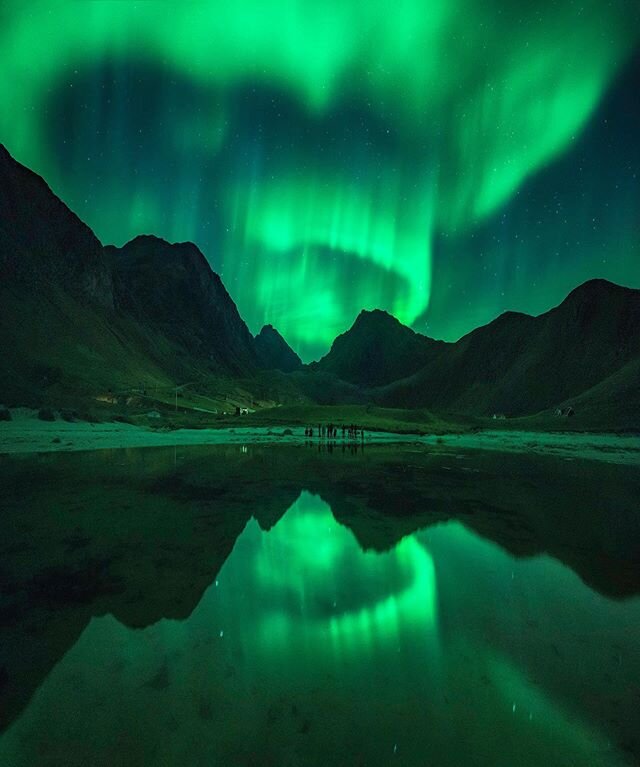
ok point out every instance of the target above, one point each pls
(25, 433)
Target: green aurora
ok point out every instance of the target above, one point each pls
(319, 557)
(335, 155)
(300, 618)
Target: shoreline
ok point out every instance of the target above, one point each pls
(26, 434)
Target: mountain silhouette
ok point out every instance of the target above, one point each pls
(171, 289)
(274, 352)
(42, 241)
(77, 318)
(519, 364)
(377, 350)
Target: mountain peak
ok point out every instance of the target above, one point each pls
(267, 330)
(274, 352)
(596, 289)
(46, 243)
(152, 240)
(376, 315)
(148, 246)
(172, 288)
(376, 350)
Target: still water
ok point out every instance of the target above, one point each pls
(275, 606)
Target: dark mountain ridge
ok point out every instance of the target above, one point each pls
(274, 352)
(42, 240)
(519, 364)
(377, 350)
(77, 318)
(172, 289)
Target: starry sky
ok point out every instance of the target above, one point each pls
(443, 160)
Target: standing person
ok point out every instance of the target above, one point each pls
(343, 430)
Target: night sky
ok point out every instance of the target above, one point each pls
(444, 160)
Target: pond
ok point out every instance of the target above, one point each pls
(256, 605)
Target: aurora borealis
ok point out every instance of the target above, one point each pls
(444, 161)
(304, 645)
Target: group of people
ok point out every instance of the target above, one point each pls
(330, 431)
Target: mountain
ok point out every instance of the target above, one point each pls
(41, 240)
(584, 353)
(274, 352)
(519, 364)
(59, 332)
(171, 289)
(376, 350)
(77, 319)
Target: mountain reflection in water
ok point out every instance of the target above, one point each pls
(277, 607)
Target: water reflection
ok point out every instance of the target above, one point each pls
(317, 589)
(163, 615)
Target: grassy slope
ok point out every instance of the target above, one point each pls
(611, 405)
(56, 349)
